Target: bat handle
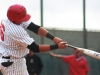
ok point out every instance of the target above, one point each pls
(79, 49)
(70, 46)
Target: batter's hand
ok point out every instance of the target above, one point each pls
(57, 40)
(62, 45)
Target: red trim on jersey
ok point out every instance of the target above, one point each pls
(2, 29)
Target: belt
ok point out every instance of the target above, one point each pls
(8, 63)
(6, 57)
(9, 57)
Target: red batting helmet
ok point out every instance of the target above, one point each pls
(17, 13)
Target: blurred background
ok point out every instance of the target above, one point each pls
(75, 21)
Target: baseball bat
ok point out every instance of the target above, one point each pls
(88, 52)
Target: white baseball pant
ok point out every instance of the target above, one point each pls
(17, 68)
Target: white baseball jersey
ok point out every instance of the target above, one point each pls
(15, 42)
(16, 39)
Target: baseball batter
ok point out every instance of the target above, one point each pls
(16, 42)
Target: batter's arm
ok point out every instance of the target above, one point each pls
(37, 29)
(43, 32)
(44, 48)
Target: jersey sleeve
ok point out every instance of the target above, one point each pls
(25, 24)
(24, 41)
(21, 36)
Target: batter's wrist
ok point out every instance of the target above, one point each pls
(50, 36)
(52, 47)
